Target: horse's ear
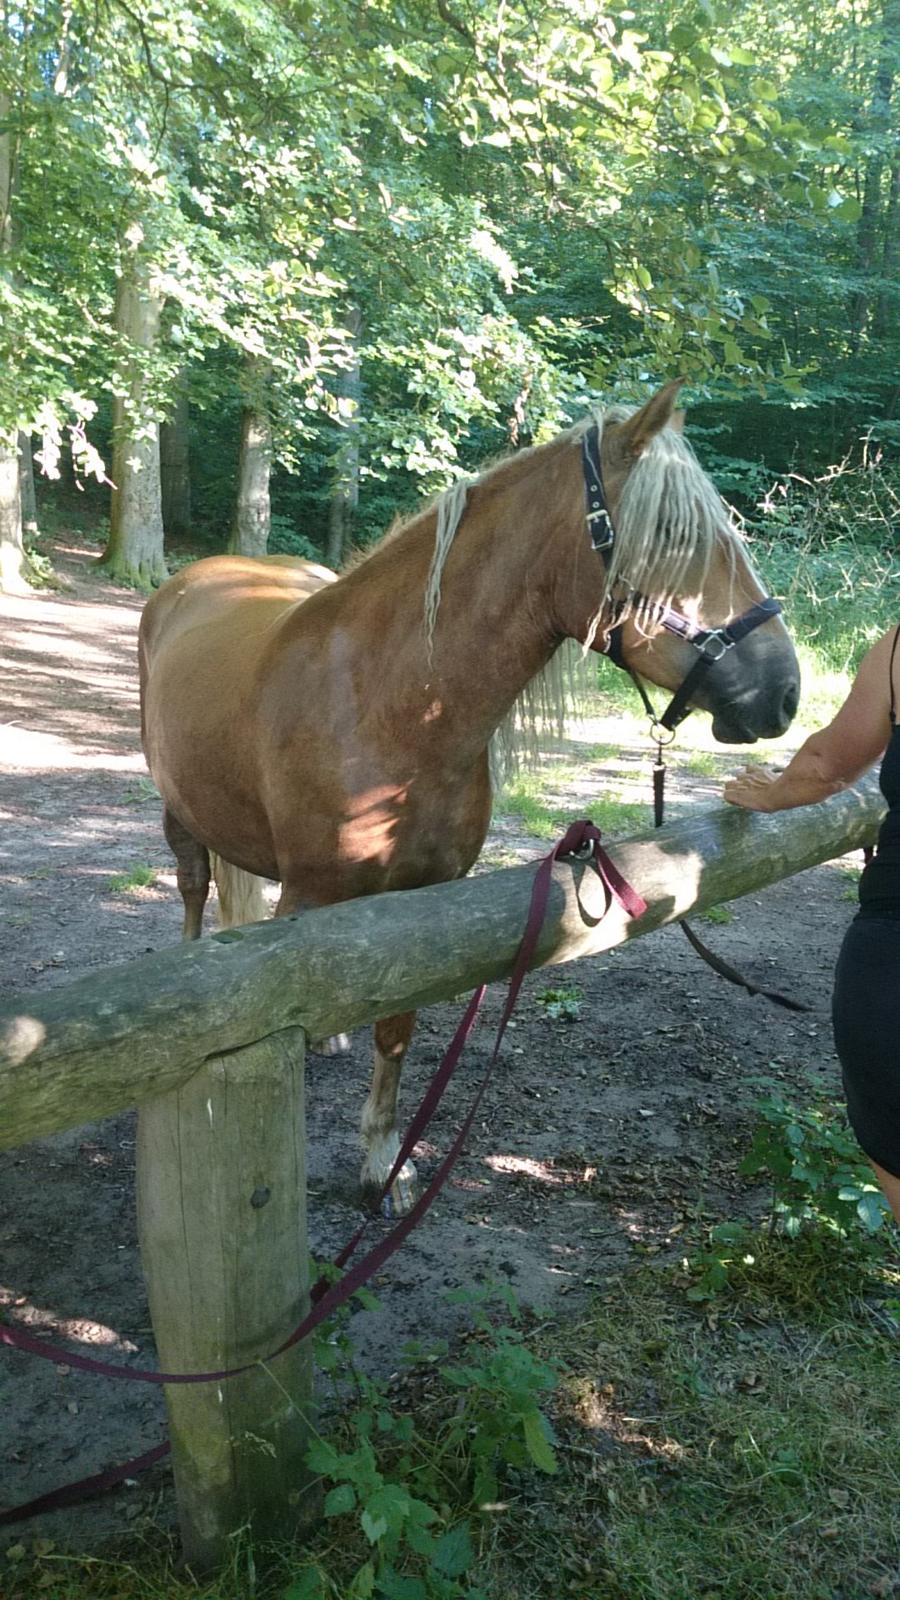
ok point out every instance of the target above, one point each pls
(635, 434)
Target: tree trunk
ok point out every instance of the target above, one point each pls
(13, 560)
(175, 471)
(253, 507)
(345, 490)
(26, 485)
(134, 552)
(873, 244)
(886, 304)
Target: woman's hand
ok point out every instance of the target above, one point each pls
(751, 788)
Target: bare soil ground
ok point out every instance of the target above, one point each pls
(600, 1139)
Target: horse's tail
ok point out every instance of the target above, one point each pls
(241, 896)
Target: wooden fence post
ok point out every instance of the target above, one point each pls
(221, 1181)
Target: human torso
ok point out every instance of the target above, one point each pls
(879, 888)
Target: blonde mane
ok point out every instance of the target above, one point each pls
(668, 521)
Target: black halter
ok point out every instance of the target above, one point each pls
(711, 644)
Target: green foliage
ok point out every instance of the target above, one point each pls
(822, 1189)
(518, 213)
(526, 797)
(284, 539)
(562, 1005)
(412, 1504)
(499, 1420)
(818, 1172)
(827, 550)
(719, 914)
(140, 877)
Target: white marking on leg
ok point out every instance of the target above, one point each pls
(379, 1133)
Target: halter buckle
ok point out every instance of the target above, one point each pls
(716, 637)
(603, 536)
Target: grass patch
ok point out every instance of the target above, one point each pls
(702, 763)
(748, 1454)
(748, 1451)
(140, 877)
(140, 792)
(720, 914)
(532, 797)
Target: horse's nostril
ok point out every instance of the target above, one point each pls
(791, 700)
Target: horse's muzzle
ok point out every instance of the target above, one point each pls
(759, 716)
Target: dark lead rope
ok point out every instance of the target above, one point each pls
(711, 645)
(582, 843)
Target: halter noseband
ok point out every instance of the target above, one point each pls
(710, 643)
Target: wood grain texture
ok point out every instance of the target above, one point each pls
(222, 1218)
(106, 1042)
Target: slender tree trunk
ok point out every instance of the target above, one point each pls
(135, 548)
(253, 509)
(13, 560)
(886, 306)
(872, 241)
(175, 471)
(26, 485)
(345, 490)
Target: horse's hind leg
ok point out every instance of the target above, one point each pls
(379, 1118)
(193, 872)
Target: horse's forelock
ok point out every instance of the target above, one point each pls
(669, 521)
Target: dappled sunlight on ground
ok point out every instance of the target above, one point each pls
(31, 750)
(33, 1318)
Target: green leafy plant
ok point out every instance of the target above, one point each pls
(720, 914)
(819, 1174)
(500, 1420)
(562, 1005)
(411, 1501)
(710, 1268)
(822, 1186)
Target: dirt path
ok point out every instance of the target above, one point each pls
(601, 1136)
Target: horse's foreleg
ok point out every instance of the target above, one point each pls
(192, 860)
(379, 1118)
(339, 1043)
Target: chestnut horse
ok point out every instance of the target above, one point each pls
(333, 735)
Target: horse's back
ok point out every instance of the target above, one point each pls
(253, 586)
(202, 644)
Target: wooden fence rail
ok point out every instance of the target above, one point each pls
(208, 1039)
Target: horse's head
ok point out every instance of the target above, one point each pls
(680, 581)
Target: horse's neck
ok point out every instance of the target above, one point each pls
(495, 628)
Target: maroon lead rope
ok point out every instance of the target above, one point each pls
(582, 840)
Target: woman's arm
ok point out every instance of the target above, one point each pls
(837, 755)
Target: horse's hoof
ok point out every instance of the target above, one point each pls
(338, 1045)
(401, 1196)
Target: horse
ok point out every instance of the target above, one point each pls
(334, 734)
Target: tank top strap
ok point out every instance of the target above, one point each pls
(891, 669)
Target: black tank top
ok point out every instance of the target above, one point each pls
(879, 886)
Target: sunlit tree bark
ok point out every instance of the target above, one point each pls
(345, 490)
(253, 509)
(26, 485)
(874, 246)
(135, 548)
(13, 560)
